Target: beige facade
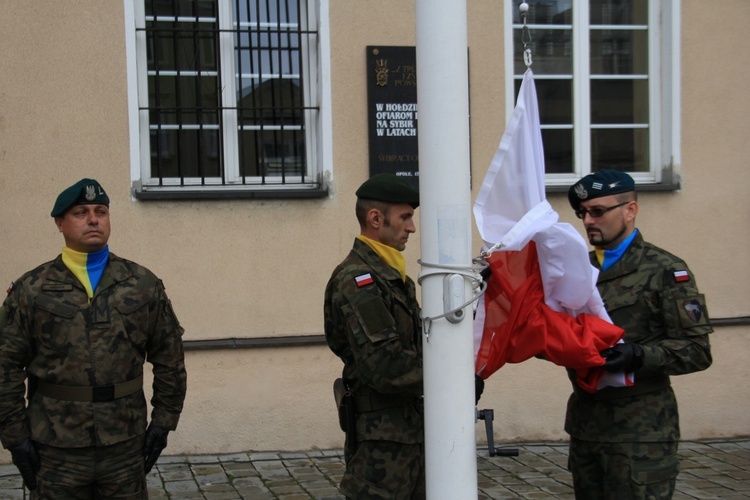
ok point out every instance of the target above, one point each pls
(251, 269)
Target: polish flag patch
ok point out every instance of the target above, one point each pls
(681, 276)
(363, 280)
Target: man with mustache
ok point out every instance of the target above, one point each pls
(78, 331)
(372, 323)
(623, 440)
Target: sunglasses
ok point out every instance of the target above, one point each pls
(595, 213)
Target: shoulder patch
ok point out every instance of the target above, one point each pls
(693, 311)
(11, 287)
(363, 280)
(681, 276)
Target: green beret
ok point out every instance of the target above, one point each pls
(389, 188)
(83, 192)
(598, 184)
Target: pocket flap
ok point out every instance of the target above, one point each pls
(55, 307)
(131, 304)
(654, 471)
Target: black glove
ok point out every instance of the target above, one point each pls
(478, 388)
(26, 458)
(624, 357)
(153, 444)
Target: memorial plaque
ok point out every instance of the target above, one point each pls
(392, 111)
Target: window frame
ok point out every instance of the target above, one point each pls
(318, 132)
(664, 94)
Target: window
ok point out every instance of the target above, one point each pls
(606, 79)
(227, 98)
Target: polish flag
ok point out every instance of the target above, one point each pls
(681, 276)
(541, 298)
(363, 280)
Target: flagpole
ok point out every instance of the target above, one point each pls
(445, 222)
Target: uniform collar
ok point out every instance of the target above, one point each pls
(628, 263)
(372, 259)
(116, 270)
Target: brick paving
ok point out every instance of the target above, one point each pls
(708, 470)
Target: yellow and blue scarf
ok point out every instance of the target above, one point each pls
(87, 267)
(390, 255)
(608, 258)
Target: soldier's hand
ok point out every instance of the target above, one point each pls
(153, 444)
(26, 458)
(623, 357)
(478, 388)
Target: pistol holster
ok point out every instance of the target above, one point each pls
(344, 404)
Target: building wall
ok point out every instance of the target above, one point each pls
(257, 268)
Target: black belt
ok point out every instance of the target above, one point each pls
(373, 402)
(95, 394)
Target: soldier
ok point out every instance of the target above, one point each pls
(79, 328)
(623, 441)
(372, 323)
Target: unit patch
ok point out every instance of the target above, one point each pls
(693, 310)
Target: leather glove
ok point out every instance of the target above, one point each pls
(478, 388)
(623, 357)
(26, 458)
(153, 444)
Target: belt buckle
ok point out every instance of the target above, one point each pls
(102, 393)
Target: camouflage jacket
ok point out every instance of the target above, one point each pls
(56, 336)
(372, 323)
(653, 296)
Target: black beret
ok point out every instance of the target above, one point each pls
(83, 192)
(598, 184)
(389, 188)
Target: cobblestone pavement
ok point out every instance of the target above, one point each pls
(709, 469)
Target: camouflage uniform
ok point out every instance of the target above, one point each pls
(375, 328)
(56, 336)
(632, 432)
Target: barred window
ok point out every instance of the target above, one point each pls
(227, 98)
(606, 77)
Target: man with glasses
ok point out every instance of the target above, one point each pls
(623, 440)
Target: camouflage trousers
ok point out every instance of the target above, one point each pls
(385, 470)
(623, 471)
(98, 472)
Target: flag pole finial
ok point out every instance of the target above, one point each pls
(525, 35)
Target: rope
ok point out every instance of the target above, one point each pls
(473, 274)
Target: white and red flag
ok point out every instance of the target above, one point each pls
(541, 297)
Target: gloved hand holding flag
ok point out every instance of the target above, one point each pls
(541, 298)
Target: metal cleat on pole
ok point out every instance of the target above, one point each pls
(488, 415)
